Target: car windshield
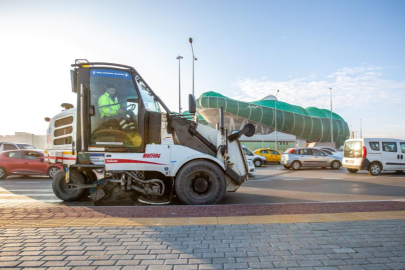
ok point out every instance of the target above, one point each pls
(26, 146)
(150, 103)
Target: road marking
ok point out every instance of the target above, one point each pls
(20, 190)
(294, 179)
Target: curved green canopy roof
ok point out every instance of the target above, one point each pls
(310, 123)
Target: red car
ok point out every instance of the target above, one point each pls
(25, 162)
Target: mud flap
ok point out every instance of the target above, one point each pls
(235, 177)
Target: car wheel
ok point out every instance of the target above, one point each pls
(399, 171)
(199, 183)
(374, 169)
(287, 167)
(296, 165)
(60, 188)
(52, 171)
(257, 163)
(335, 165)
(352, 170)
(3, 173)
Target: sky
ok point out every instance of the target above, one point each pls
(245, 49)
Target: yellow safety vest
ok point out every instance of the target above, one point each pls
(107, 106)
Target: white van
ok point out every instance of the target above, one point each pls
(374, 155)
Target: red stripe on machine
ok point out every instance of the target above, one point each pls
(115, 161)
(64, 158)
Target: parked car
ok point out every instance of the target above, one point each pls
(256, 159)
(269, 154)
(374, 155)
(25, 162)
(251, 167)
(296, 158)
(6, 146)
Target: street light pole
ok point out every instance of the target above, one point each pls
(179, 58)
(194, 59)
(331, 115)
(275, 113)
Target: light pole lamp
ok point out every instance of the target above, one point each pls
(275, 114)
(179, 58)
(331, 115)
(194, 59)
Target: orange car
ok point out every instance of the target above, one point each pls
(270, 154)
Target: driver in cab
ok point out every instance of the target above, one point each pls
(110, 108)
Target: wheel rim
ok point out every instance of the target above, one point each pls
(257, 163)
(53, 171)
(296, 165)
(201, 185)
(1, 173)
(375, 169)
(335, 165)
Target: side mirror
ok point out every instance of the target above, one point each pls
(73, 81)
(192, 107)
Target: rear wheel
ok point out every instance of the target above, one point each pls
(257, 163)
(296, 165)
(287, 167)
(200, 182)
(352, 170)
(60, 188)
(374, 169)
(335, 165)
(3, 173)
(52, 171)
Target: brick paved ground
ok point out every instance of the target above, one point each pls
(323, 246)
(45, 212)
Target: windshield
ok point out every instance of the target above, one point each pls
(353, 149)
(25, 146)
(115, 101)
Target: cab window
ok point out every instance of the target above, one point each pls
(32, 155)
(274, 152)
(402, 147)
(304, 152)
(317, 153)
(264, 152)
(115, 100)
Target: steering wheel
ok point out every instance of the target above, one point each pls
(130, 107)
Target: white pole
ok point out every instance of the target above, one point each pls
(275, 105)
(179, 58)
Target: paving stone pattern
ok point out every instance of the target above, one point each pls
(60, 212)
(317, 246)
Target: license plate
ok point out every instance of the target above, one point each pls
(349, 161)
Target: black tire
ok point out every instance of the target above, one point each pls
(352, 170)
(374, 169)
(3, 173)
(257, 162)
(60, 189)
(52, 171)
(335, 165)
(399, 171)
(90, 178)
(296, 165)
(287, 167)
(200, 183)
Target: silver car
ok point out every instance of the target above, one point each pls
(296, 158)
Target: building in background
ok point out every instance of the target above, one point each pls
(295, 125)
(23, 137)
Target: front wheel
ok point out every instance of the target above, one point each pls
(52, 171)
(352, 170)
(3, 173)
(374, 169)
(296, 165)
(200, 182)
(257, 163)
(60, 187)
(335, 165)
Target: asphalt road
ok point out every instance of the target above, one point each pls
(270, 184)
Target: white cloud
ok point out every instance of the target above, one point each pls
(351, 87)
